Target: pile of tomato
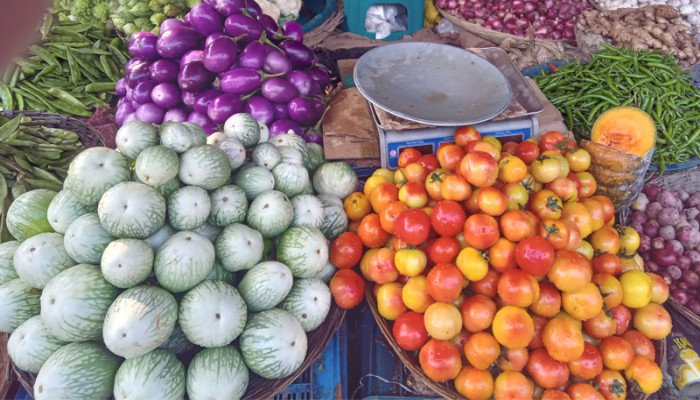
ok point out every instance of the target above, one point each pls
(500, 266)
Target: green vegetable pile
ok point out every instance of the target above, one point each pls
(648, 80)
(83, 10)
(32, 156)
(72, 71)
(133, 16)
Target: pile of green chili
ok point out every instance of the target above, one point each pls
(72, 71)
(623, 77)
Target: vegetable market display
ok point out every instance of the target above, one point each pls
(223, 60)
(503, 256)
(647, 80)
(690, 9)
(88, 287)
(72, 71)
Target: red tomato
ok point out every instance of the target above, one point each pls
(346, 250)
(409, 331)
(481, 231)
(535, 255)
(488, 286)
(412, 226)
(546, 371)
(440, 360)
(527, 151)
(443, 249)
(622, 317)
(448, 218)
(589, 365)
(555, 140)
(371, 233)
(444, 283)
(408, 156)
(347, 288)
(429, 162)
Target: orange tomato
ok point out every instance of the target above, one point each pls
(413, 172)
(475, 384)
(583, 304)
(488, 286)
(433, 184)
(466, 134)
(556, 232)
(365, 262)
(415, 294)
(502, 255)
(356, 206)
(516, 225)
(407, 156)
(641, 344)
(589, 365)
(588, 185)
(563, 339)
(492, 201)
(443, 321)
(545, 205)
(488, 148)
(617, 353)
(513, 327)
(477, 312)
(373, 182)
(481, 231)
(583, 391)
(513, 359)
(381, 267)
(653, 321)
(481, 350)
(575, 238)
(389, 213)
(597, 213)
(511, 169)
(479, 168)
(545, 371)
(610, 289)
(454, 187)
(494, 141)
(646, 373)
(509, 147)
(518, 288)
(570, 271)
(579, 160)
(512, 385)
(389, 302)
(554, 394)
(548, 304)
(600, 326)
(536, 342)
(445, 282)
(579, 215)
(565, 188)
(608, 263)
(471, 205)
(413, 194)
(530, 184)
(606, 240)
(608, 207)
(371, 233)
(440, 360)
(449, 155)
(611, 385)
(382, 195)
(659, 289)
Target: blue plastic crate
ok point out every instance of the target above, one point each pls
(315, 12)
(325, 379)
(356, 11)
(383, 376)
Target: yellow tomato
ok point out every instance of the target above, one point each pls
(389, 301)
(410, 261)
(545, 169)
(530, 184)
(472, 263)
(517, 195)
(579, 159)
(433, 184)
(415, 294)
(494, 141)
(357, 206)
(384, 172)
(511, 169)
(634, 262)
(374, 181)
(443, 321)
(586, 249)
(629, 240)
(636, 288)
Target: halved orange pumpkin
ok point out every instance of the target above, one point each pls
(629, 129)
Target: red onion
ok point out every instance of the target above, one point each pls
(694, 306)
(679, 295)
(694, 256)
(683, 262)
(644, 243)
(658, 243)
(651, 191)
(652, 266)
(693, 200)
(692, 279)
(664, 258)
(674, 272)
(651, 229)
(695, 267)
(667, 232)
(675, 246)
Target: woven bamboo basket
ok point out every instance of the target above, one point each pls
(7, 378)
(320, 33)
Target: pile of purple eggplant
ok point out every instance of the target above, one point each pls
(223, 58)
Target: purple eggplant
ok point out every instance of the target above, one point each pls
(261, 109)
(277, 63)
(175, 115)
(293, 31)
(253, 8)
(129, 118)
(135, 105)
(142, 92)
(320, 74)
(211, 3)
(164, 70)
(205, 19)
(220, 55)
(139, 72)
(166, 95)
(213, 36)
(283, 126)
(278, 90)
(169, 24)
(300, 55)
(202, 100)
(241, 80)
(120, 88)
(123, 110)
(130, 64)
(304, 111)
(269, 25)
(129, 93)
(150, 113)
(313, 136)
(143, 44)
(229, 7)
(244, 27)
(198, 118)
(223, 107)
(280, 111)
(252, 56)
(188, 98)
(210, 128)
(177, 41)
(193, 77)
(302, 81)
(192, 55)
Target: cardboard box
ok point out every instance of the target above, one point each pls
(348, 129)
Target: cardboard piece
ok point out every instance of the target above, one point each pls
(348, 129)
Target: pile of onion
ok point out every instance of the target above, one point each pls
(224, 58)
(669, 225)
(544, 19)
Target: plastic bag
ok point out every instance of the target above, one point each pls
(383, 19)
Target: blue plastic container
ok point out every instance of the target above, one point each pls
(325, 379)
(315, 12)
(356, 10)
